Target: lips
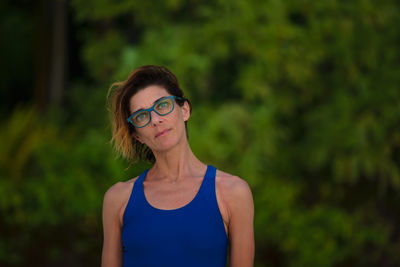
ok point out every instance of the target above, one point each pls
(162, 133)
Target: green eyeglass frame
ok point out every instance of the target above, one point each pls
(148, 110)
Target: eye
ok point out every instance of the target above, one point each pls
(141, 117)
(164, 104)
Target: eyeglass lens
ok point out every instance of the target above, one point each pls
(162, 107)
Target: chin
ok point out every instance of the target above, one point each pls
(166, 145)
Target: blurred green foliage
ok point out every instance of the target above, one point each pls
(299, 98)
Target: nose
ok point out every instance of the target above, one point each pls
(155, 118)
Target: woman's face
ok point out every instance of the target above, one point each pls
(162, 132)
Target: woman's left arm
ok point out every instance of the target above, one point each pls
(241, 220)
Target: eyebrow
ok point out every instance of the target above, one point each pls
(153, 103)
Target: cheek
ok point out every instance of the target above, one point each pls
(141, 134)
(137, 137)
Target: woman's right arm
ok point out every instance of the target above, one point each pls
(112, 247)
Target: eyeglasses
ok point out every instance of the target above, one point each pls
(162, 107)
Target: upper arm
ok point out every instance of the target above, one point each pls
(112, 247)
(241, 226)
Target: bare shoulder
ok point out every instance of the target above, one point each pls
(232, 186)
(116, 196)
(234, 194)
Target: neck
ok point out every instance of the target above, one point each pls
(176, 164)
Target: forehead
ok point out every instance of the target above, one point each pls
(145, 97)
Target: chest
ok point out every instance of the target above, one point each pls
(175, 196)
(171, 196)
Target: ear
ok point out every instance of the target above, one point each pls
(185, 111)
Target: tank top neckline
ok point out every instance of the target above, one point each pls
(143, 176)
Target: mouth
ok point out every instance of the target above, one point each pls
(162, 133)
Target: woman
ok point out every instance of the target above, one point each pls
(180, 212)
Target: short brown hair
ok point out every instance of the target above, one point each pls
(119, 95)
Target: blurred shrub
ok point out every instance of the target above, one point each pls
(51, 187)
(288, 226)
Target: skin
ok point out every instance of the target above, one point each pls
(175, 161)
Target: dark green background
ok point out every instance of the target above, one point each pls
(299, 98)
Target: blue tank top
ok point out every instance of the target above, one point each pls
(193, 235)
